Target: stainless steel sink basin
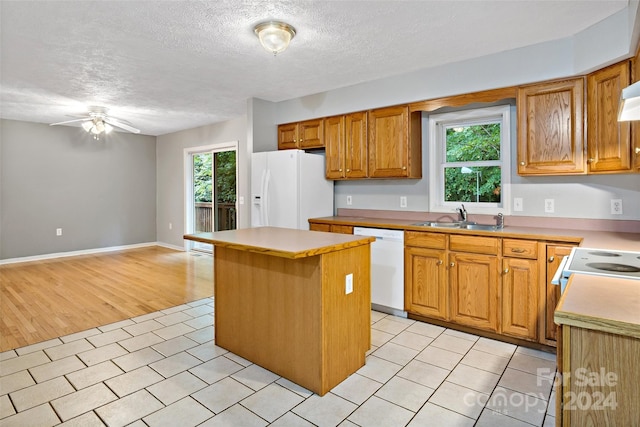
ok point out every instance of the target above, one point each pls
(484, 227)
(444, 224)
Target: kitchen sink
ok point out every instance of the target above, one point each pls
(445, 224)
(484, 227)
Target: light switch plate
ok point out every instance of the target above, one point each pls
(549, 205)
(349, 200)
(517, 204)
(348, 283)
(403, 201)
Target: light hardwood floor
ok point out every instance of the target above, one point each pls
(41, 300)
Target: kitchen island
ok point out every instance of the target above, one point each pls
(598, 384)
(295, 302)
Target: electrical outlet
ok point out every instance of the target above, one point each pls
(349, 200)
(549, 205)
(58, 231)
(403, 201)
(348, 283)
(517, 204)
(616, 206)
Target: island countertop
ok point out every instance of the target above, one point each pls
(601, 303)
(281, 242)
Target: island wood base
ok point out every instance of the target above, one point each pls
(292, 316)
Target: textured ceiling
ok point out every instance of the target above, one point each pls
(173, 65)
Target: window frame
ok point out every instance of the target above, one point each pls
(438, 123)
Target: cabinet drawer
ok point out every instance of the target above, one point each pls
(520, 248)
(344, 229)
(474, 244)
(425, 240)
(314, 226)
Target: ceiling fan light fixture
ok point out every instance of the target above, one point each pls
(274, 36)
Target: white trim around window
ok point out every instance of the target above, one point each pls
(438, 123)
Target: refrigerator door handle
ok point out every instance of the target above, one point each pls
(265, 199)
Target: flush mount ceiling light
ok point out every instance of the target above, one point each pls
(630, 103)
(274, 36)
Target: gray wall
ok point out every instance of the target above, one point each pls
(575, 197)
(170, 174)
(101, 193)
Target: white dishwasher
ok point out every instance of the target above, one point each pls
(387, 269)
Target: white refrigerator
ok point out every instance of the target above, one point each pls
(287, 188)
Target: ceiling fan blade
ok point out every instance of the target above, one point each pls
(71, 121)
(119, 124)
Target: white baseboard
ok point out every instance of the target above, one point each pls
(86, 252)
(169, 246)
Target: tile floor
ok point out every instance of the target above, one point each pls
(163, 369)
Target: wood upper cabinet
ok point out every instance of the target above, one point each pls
(608, 140)
(473, 279)
(426, 291)
(302, 135)
(551, 128)
(346, 146)
(392, 154)
(635, 125)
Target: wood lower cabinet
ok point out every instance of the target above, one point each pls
(520, 298)
(303, 135)
(608, 140)
(346, 146)
(426, 290)
(473, 279)
(551, 137)
(554, 254)
(331, 228)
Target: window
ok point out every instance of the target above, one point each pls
(469, 160)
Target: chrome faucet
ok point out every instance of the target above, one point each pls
(500, 221)
(463, 213)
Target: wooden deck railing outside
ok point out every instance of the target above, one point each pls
(226, 218)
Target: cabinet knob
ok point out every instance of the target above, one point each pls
(453, 264)
(348, 170)
(404, 168)
(552, 258)
(522, 163)
(439, 262)
(340, 170)
(637, 150)
(506, 270)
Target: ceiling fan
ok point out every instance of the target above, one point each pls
(98, 122)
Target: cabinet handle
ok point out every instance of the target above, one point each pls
(439, 262)
(522, 163)
(453, 264)
(506, 270)
(591, 160)
(517, 250)
(637, 150)
(552, 258)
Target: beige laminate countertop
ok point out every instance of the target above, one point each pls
(282, 242)
(601, 303)
(585, 238)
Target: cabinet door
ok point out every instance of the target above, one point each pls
(343, 229)
(520, 298)
(319, 227)
(554, 257)
(426, 283)
(389, 142)
(608, 140)
(334, 147)
(311, 134)
(287, 136)
(635, 125)
(551, 128)
(474, 290)
(356, 145)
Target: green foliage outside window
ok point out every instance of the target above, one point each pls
(468, 144)
(225, 177)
